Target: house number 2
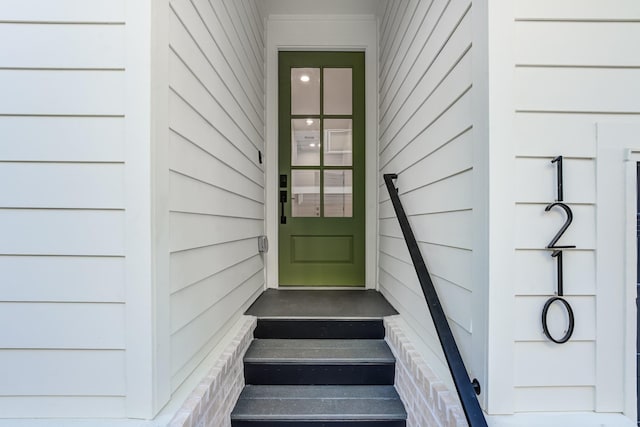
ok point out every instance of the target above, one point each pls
(557, 254)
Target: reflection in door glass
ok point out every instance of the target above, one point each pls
(337, 142)
(337, 91)
(305, 142)
(338, 187)
(305, 91)
(305, 193)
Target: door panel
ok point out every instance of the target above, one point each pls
(321, 165)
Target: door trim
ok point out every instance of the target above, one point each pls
(321, 33)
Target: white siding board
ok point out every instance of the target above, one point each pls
(193, 230)
(549, 134)
(192, 90)
(409, 26)
(62, 279)
(455, 300)
(450, 229)
(193, 342)
(578, 43)
(254, 54)
(390, 65)
(68, 232)
(191, 195)
(192, 126)
(232, 54)
(63, 373)
(528, 326)
(452, 264)
(194, 265)
(195, 54)
(189, 303)
(69, 139)
(577, 89)
(216, 204)
(190, 160)
(62, 326)
(556, 399)
(431, 69)
(243, 26)
(450, 159)
(62, 406)
(535, 272)
(454, 85)
(440, 23)
(204, 26)
(254, 73)
(451, 194)
(549, 365)
(107, 11)
(400, 12)
(55, 92)
(535, 228)
(62, 185)
(61, 46)
(449, 124)
(535, 179)
(577, 10)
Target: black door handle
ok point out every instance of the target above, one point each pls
(283, 200)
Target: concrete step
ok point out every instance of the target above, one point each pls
(319, 361)
(320, 328)
(314, 406)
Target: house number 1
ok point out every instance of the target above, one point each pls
(557, 254)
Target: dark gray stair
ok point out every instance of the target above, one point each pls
(320, 328)
(319, 406)
(318, 361)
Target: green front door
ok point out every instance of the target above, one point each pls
(321, 164)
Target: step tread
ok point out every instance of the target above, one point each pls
(322, 351)
(319, 403)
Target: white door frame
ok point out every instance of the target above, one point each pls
(618, 153)
(320, 32)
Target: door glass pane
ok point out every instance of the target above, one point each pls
(305, 142)
(337, 142)
(337, 193)
(305, 193)
(305, 91)
(337, 91)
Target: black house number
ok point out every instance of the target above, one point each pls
(557, 254)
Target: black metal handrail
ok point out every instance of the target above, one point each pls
(466, 389)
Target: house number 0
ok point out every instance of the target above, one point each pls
(557, 254)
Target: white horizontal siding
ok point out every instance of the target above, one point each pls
(63, 325)
(63, 185)
(426, 138)
(62, 92)
(62, 121)
(63, 11)
(62, 278)
(576, 64)
(62, 46)
(216, 203)
(62, 373)
(62, 139)
(61, 407)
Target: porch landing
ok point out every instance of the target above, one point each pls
(318, 304)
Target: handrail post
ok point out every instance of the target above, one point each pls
(464, 386)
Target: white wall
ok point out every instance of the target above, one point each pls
(574, 67)
(215, 180)
(63, 219)
(426, 137)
